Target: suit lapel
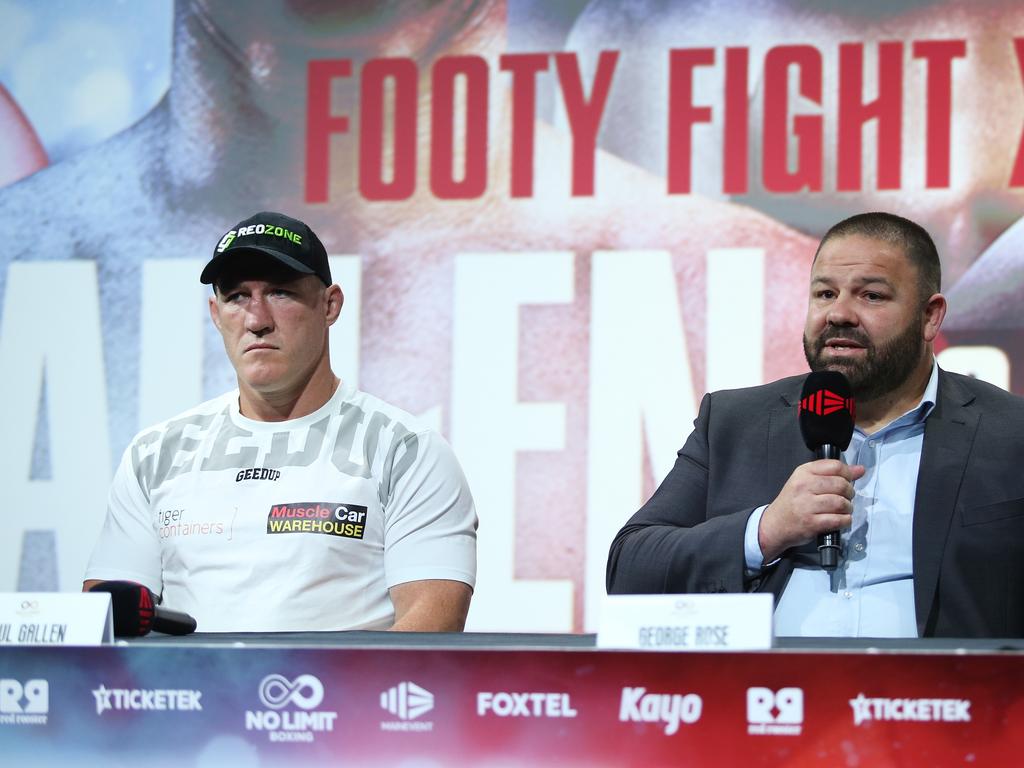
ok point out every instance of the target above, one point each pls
(948, 436)
(785, 449)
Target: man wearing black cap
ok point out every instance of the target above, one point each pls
(297, 502)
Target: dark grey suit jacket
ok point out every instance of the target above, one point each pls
(968, 535)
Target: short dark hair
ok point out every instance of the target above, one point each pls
(916, 244)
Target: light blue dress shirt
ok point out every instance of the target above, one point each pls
(871, 593)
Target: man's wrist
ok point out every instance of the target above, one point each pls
(753, 557)
(753, 554)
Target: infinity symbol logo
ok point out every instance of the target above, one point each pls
(305, 691)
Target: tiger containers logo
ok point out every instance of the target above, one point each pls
(325, 517)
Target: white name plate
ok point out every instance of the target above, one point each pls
(719, 622)
(55, 618)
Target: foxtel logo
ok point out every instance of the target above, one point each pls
(638, 706)
(524, 704)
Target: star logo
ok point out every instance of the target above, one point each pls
(102, 696)
(861, 709)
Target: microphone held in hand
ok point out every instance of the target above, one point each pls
(136, 612)
(827, 414)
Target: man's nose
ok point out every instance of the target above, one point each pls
(841, 312)
(258, 318)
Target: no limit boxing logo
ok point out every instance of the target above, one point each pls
(823, 402)
(281, 723)
(305, 691)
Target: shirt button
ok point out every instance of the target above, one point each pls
(859, 547)
(847, 595)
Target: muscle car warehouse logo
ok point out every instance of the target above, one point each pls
(326, 517)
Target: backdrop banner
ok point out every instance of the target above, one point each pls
(556, 226)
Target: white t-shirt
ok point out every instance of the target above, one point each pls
(254, 526)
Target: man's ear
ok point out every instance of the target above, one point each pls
(934, 313)
(214, 310)
(335, 299)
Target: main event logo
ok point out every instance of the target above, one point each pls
(27, 704)
(325, 517)
(281, 723)
(407, 701)
(824, 402)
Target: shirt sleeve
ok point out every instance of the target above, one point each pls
(751, 548)
(128, 548)
(430, 519)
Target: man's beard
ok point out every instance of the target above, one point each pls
(884, 368)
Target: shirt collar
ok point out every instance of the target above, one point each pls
(924, 408)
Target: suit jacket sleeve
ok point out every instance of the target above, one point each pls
(676, 542)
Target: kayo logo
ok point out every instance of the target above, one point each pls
(823, 402)
(779, 713)
(306, 692)
(638, 706)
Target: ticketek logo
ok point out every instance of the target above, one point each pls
(775, 713)
(910, 710)
(159, 699)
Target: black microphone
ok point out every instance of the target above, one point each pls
(827, 414)
(136, 612)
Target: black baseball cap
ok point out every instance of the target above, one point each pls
(281, 237)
